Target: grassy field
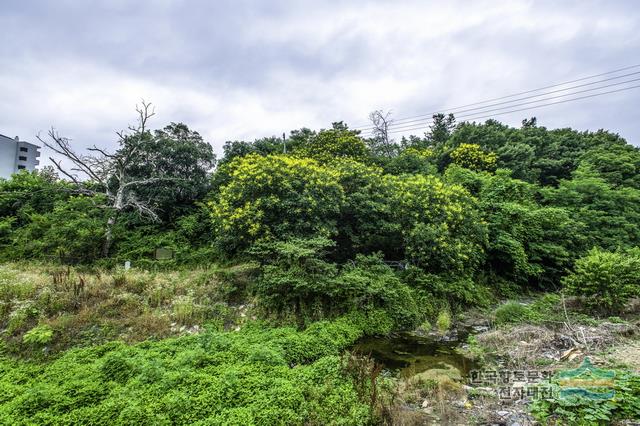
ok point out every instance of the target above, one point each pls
(92, 306)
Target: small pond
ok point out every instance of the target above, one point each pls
(409, 354)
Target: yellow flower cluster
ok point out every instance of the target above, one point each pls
(471, 156)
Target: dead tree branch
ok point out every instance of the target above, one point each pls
(109, 170)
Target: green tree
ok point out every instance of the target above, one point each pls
(618, 164)
(440, 224)
(471, 156)
(440, 130)
(336, 143)
(31, 192)
(295, 276)
(533, 153)
(23, 198)
(110, 174)
(73, 229)
(611, 215)
(275, 197)
(183, 158)
(367, 219)
(527, 243)
(412, 160)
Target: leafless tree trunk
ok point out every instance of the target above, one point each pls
(381, 122)
(109, 171)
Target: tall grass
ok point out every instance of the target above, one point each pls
(88, 306)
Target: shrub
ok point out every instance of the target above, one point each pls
(605, 280)
(513, 313)
(258, 375)
(472, 156)
(453, 291)
(116, 367)
(443, 322)
(38, 336)
(372, 284)
(275, 196)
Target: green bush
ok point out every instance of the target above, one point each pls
(298, 277)
(38, 336)
(605, 280)
(116, 367)
(454, 292)
(513, 313)
(443, 322)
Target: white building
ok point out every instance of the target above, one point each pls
(16, 155)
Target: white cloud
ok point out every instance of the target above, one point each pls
(239, 70)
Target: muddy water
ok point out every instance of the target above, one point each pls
(408, 354)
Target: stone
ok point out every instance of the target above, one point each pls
(460, 404)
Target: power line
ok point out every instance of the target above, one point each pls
(510, 105)
(425, 120)
(517, 94)
(522, 109)
(407, 121)
(467, 118)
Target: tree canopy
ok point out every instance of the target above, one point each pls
(465, 208)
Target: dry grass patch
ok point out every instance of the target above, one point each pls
(91, 306)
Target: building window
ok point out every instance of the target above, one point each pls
(22, 158)
(23, 149)
(20, 167)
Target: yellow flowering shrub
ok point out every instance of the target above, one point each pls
(473, 157)
(275, 196)
(332, 144)
(441, 226)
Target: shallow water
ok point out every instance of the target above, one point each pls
(408, 354)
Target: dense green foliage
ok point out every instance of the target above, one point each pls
(606, 280)
(260, 375)
(471, 209)
(181, 154)
(306, 231)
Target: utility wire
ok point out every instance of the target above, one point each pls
(425, 120)
(522, 109)
(516, 94)
(407, 121)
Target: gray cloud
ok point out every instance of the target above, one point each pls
(245, 69)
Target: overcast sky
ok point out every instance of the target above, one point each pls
(245, 69)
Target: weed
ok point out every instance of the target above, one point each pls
(38, 336)
(443, 322)
(513, 313)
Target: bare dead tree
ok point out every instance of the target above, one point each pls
(109, 171)
(381, 122)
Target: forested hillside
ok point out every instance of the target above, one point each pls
(286, 253)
